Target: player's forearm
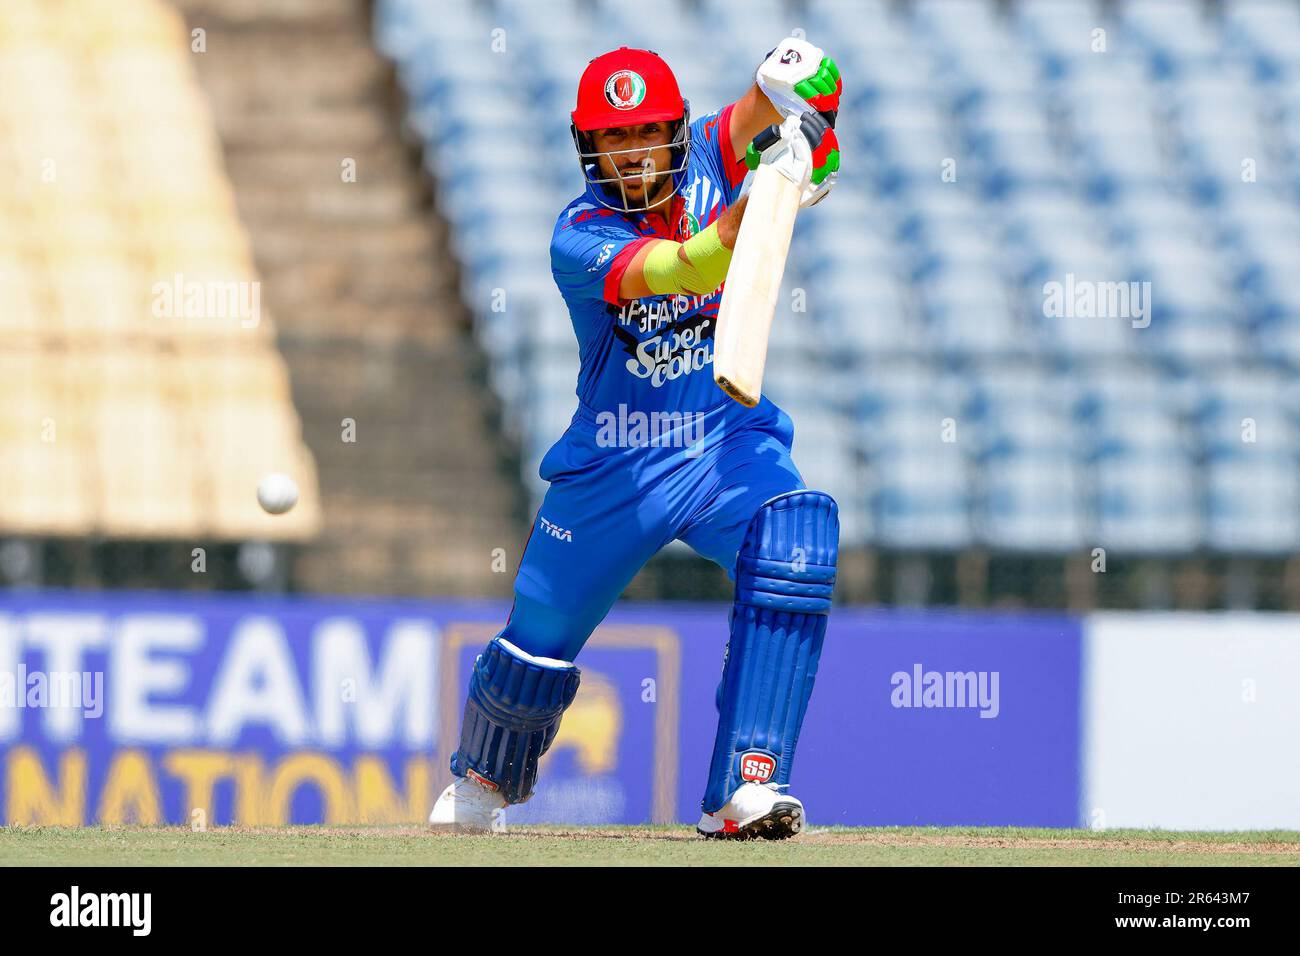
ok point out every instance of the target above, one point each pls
(750, 115)
(634, 283)
(695, 267)
(729, 221)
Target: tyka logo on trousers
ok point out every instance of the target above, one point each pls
(555, 531)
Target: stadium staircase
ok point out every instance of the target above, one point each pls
(364, 292)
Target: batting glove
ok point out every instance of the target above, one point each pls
(797, 77)
(825, 161)
(804, 149)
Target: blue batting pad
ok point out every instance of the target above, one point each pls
(512, 715)
(785, 574)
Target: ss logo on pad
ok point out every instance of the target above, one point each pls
(757, 767)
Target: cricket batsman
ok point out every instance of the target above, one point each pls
(640, 258)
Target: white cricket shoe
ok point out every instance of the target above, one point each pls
(468, 807)
(755, 810)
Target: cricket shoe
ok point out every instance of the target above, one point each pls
(755, 811)
(466, 806)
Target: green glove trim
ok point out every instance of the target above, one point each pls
(820, 83)
(831, 165)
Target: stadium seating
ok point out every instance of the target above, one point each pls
(121, 414)
(990, 149)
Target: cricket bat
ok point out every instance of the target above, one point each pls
(753, 282)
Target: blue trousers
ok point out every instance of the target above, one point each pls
(610, 509)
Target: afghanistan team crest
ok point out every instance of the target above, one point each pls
(687, 225)
(625, 90)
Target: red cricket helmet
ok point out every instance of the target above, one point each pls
(627, 87)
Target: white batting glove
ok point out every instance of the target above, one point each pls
(789, 149)
(793, 74)
(785, 149)
(799, 79)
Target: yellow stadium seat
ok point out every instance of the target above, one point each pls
(147, 475)
(128, 408)
(20, 18)
(113, 26)
(243, 441)
(46, 488)
(217, 376)
(100, 296)
(20, 300)
(46, 477)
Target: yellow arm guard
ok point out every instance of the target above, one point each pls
(665, 272)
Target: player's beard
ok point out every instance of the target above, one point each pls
(640, 201)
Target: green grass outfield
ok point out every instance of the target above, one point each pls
(638, 846)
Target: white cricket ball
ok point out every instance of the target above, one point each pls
(277, 493)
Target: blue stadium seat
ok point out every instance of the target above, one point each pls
(920, 498)
(1251, 504)
(1147, 503)
(1031, 501)
(925, 299)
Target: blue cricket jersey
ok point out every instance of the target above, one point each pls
(654, 353)
(617, 496)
